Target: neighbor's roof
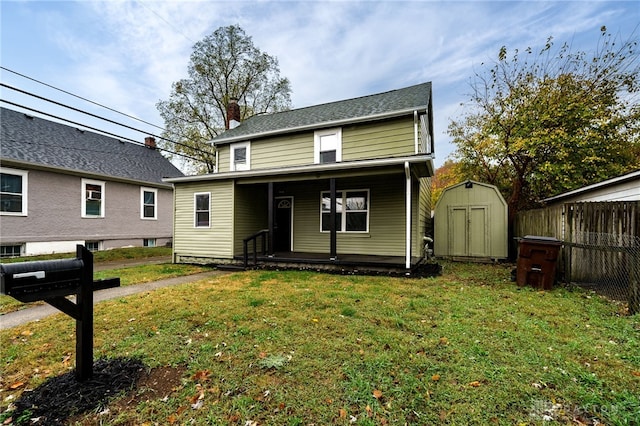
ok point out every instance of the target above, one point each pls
(381, 105)
(632, 176)
(35, 142)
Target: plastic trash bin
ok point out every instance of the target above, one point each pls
(537, 260)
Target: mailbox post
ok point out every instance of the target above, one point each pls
(51, 281)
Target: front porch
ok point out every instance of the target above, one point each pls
(346, 264)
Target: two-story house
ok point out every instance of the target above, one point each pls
(344, 183)
(61, 186)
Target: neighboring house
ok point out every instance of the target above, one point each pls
(62, 186)
(337, 183)
(621, 188)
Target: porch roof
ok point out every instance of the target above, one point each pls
(421, 165)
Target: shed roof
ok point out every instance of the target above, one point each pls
(35, 142)
(377, 106)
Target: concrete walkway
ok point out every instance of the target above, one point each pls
(14, 319)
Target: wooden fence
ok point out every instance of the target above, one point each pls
(601, 244)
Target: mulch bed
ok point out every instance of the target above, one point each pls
(61, 397)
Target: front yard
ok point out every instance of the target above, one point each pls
(301, 348)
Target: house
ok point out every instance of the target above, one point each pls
(62, 186)
(344, 183)
(621, 188)
(471, 220)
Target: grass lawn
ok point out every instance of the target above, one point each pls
(301, 348)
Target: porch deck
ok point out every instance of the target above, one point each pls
(354, 264)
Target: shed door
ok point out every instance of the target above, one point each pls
(468, 231)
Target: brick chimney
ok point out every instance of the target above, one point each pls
(150, 142)
(233, 114)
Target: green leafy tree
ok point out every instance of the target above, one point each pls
(224, 65)
(541, 124)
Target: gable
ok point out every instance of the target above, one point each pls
(35, 142)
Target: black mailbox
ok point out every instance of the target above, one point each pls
(32, 281)
(51, 281)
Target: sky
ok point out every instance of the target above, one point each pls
(126, 54)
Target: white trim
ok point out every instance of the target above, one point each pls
(318, 135)
(144, 189)
(239, 167)
(407, 172)
(83, 198)
(195, 211)
(24, 174)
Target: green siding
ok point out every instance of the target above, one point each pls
(423, 214)
(383, 139)
(386, 217)
(251, 207)
(378, 140)
(213, 242)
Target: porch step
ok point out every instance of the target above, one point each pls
(230, 267)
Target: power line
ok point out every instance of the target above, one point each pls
(97, 130)
(80, 97)
(97, 116)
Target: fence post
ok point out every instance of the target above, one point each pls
(634, 282)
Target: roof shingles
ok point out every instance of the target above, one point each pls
(46, 143)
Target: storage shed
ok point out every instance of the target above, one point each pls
(470, 222)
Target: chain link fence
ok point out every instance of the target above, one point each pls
(608, 264)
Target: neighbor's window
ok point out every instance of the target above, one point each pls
(93, 198)
(202, 203)
(352, 211)
(240, 156)
(11, 250)
(92, 245)
(149, 242)
(148, 201)
(327, 146)
(13, 192)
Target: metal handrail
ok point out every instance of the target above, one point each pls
(245, 246)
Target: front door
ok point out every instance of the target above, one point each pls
(283, 226)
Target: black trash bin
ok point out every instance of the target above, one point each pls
(537, 260)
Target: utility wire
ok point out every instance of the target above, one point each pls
(96, 116)
(97, 130)
(80, 97)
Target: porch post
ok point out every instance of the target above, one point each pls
(271, 218)
(407, 172)
(333, 255)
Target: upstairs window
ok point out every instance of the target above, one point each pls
(240, 156)
(148, 201)
(92, 198)
(327, 146)
(352, 211)
(202, 204)
(13, 192)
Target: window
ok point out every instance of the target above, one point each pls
(240, 156)
(149, 242)
(92, 198)
(11, 251)
(352, 211)
(92, 245)
(13, 192)
(202, 203)
(148, 200)
(327, 146)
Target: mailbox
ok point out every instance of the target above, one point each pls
(40, 280)
(51, 281)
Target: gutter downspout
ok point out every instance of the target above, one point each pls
(415, 130)
(407, 173)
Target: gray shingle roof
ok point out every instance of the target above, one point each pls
(317, 116)
(37, 141)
